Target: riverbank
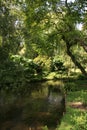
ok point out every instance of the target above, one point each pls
(75, 117)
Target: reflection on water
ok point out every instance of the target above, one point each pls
(42, 105)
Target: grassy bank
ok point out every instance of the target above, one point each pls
(75, 117)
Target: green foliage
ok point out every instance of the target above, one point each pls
(80, 121)
(51, 26)
(17, 71)
(45, 128)
(81, 77)
(46, 29)
(75, 118)
(58, 65)
(79, 118)
(68, 87)
(44, 62)
(11, 25)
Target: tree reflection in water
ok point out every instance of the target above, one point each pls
(44, 106)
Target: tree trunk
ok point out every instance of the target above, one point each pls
(74, 60)
(82, 43)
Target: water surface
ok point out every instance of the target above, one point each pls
(43, 104)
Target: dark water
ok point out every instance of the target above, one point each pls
(40, 107)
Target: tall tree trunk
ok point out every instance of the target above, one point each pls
(74, 60)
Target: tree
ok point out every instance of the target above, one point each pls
(77, 36)
(57, 21)
(11, 26)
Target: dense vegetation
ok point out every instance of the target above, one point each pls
(42, 39)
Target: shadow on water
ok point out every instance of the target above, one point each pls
(40, 108)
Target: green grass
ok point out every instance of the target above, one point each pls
(75, 119)
(78, 96)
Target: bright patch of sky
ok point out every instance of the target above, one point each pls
(70, 1)
(79, 26)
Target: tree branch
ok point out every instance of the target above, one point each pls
(74, 60)
(82, 43)
(66, 4)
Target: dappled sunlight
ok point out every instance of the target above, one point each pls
(75, 117)
(43, 64)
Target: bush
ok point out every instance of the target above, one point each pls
(82, 77)
(57, 65)
(70, 86)
(43, 62)
(17, 70)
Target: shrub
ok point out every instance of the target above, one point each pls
(70, 86)
(80, 121)
(58, 65)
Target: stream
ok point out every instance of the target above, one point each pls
(41, 106)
